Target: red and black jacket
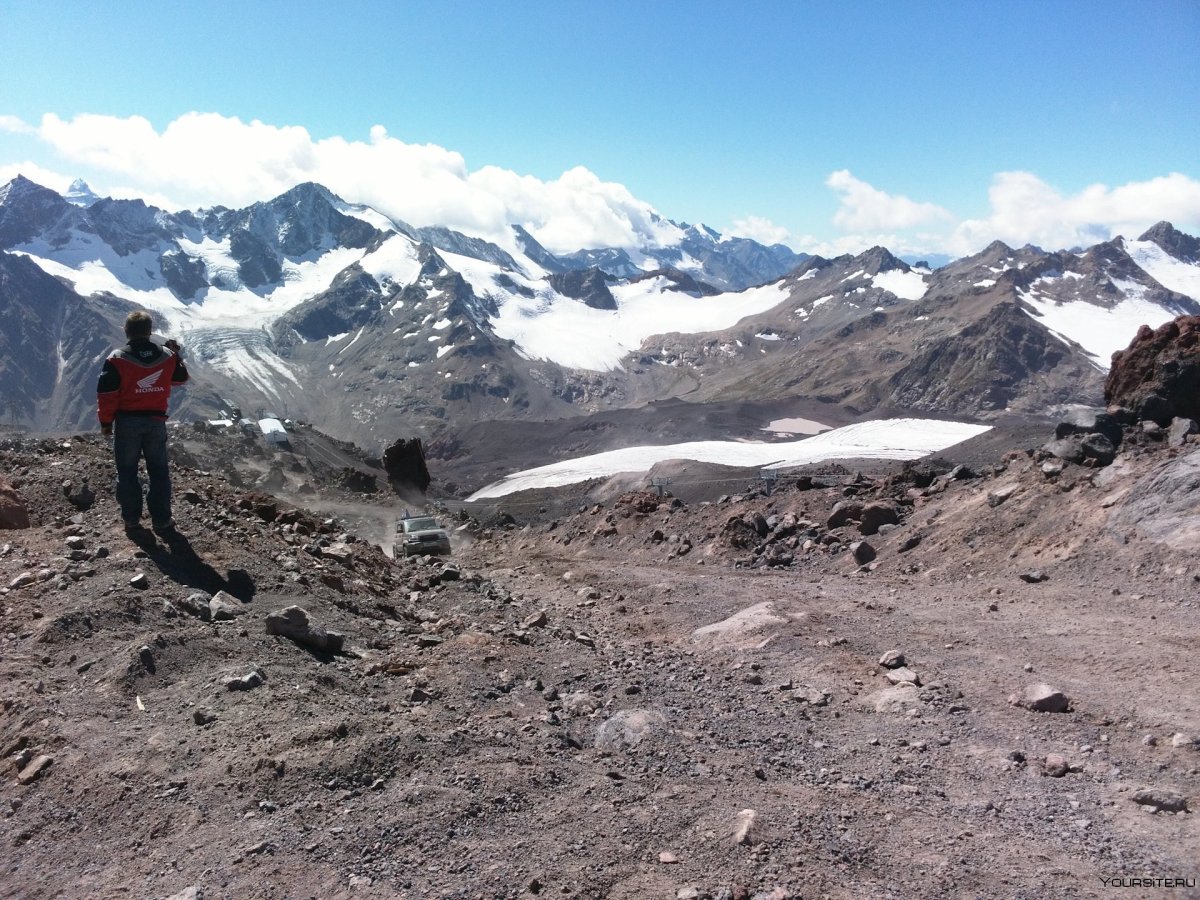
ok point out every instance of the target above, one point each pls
(137, 381)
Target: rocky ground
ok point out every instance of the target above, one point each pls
(930, 681)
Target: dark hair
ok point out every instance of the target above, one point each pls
(138, 324)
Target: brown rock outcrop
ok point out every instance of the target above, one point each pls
(1158, 375)
(13, 512)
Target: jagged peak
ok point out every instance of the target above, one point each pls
(1160, 231)
(21, 187)
(880, 259)
(1177, 243)
(307, 192)
(80, 193)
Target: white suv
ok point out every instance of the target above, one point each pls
(422, 534)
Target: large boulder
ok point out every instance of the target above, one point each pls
(404, 463)
(876, 514)
(1158, 375)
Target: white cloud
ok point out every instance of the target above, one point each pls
(1027, 210)
(204, 159)
(13, 125)
(759, 229)
(1023, 209)
(863, 207)
(36, 173)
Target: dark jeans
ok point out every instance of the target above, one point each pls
(133, 438)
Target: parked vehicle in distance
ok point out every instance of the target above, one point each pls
(422, 535)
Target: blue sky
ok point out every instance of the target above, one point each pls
(738, 115)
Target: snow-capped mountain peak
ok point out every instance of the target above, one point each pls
(80, 194)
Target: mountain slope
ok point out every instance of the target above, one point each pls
(330, 312)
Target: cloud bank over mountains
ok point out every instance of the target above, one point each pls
(206, 159)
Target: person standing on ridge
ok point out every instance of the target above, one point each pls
(132, 393)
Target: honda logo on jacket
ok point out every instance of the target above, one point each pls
(148, 385)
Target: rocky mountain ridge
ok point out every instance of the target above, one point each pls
(316, 309)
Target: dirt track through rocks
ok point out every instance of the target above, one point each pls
(570, 710)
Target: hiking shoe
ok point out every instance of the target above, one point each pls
(134, 527)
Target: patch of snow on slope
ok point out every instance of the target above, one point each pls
(907, 285)
(570, 333)
(1173, 274)
(245, 355)
(395, 261)
(95, 268)
(1100, 331)
(372, 217)
(884, 439)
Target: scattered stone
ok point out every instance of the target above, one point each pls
(293, 623)
(1042, 698)
(999, 495)
(628, 728)
(197, 605)
(22, 580)
(812, 696)
(895, 699)
(537, 620)
(146, 657)
(34, 769)
(902, 675)
(687, 893)
(1179, 739)
(1052, 467)
(1055, 765)
(203, 717)
(1180, 428)
(893, 659)
(246, 683)
(744, 827)
(863, 552)
(188, 893)
(668, 858)
(910, 543)
(140, 581)
(580, 703)
(223, 607)
(1161, 800)
(1034, 576)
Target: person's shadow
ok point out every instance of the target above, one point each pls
(180, 562)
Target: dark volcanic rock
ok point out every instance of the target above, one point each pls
(404, 461)
(1099, 448)
(1158, 375)
(1088, 421)
(588, 285)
